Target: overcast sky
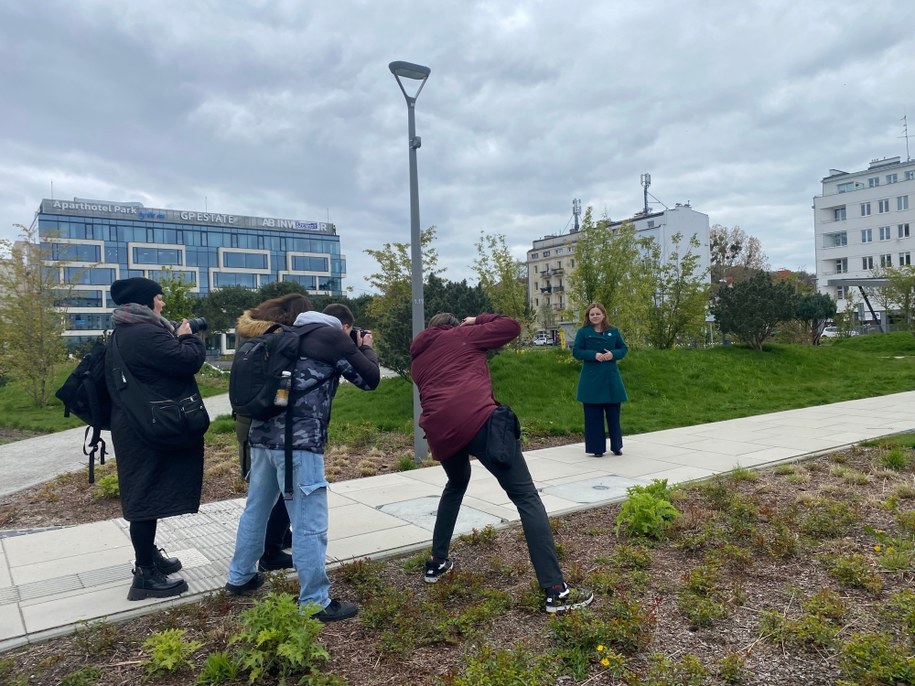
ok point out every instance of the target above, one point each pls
(288, 109)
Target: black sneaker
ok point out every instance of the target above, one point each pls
(336, 611)
(436, 569)
(563, 598)
(274, 561)
(252, 584)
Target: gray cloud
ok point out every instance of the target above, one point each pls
(288, 109)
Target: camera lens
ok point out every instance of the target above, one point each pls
(354, 334)
(198, 324)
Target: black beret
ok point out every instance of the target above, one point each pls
(136, 290)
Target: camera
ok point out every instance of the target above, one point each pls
(356, 332)
(197, 324)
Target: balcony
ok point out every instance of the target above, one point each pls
(547, 289)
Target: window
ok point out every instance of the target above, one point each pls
(909, 175)
(865, 209)
(846, 187)
(867, 235)
(867, 263)
(224, 279)
(905, 259)
(310, 264)
(535, 255)
(903, 230)
(840, 292)
(902, 202)
(546, 253)
(93, 276)
(891, 178)
(834, 240)
(873, 181)
(838, 214)
(884, 233)
(886, 260)
(157, 256)
(242, 260)
(883, 206)
(74, 252)
(842, 265)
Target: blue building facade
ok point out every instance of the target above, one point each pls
(99, 241)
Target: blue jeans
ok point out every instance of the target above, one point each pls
(307, 513)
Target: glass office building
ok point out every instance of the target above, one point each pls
(100, 241)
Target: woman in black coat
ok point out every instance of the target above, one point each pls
(153, 483)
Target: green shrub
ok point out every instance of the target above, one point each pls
(853, 571)
(491, 667)
(82, 677)
(169, 652)
(277, 638)
(647, 511)
(873, 659)
(218, 668)
(107, 488)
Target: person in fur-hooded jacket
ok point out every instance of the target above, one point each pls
(255, 322)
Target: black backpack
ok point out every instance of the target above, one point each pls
(85, 395)
(258, 367)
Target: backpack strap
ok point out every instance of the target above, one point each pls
(287, 438)
(91, 446)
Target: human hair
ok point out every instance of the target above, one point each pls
(444, 319)
(283, 309)
(605, 324)
(341, 312)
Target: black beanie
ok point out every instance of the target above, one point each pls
(136, 290)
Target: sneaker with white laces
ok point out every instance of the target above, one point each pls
(436, 569)
(561, 598)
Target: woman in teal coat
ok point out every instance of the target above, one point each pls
(600, 387)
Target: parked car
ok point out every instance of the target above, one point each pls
(833, 332)
(543, 338)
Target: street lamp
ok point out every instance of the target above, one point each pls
(416, 72)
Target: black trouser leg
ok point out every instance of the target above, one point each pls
(143, 537)
(277, 526)
(457, 468)
(595, 434)
(613, 425)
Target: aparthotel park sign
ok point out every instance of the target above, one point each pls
(136, 211)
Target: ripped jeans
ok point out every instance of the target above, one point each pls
(307, 514)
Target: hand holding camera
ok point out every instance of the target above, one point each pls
(361, 336)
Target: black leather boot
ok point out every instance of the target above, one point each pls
(149, 582)
(274, 559)
(166, 565)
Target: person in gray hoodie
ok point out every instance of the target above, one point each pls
(327, 353)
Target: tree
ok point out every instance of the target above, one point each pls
(224, 306)
(275, 289)
(752, 309)
(734, 254)
(609, 269)
(392, 309)
(676, 307)
(899, 292)
(455, 297)
(179, 304)
(813, 310)
(33, 306)
(503, 279)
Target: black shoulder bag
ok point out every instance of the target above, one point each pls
(162, 423)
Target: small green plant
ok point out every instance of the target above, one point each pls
(785, 469)
(687, 671)
(873, 658)
(168, 651)
(743, 474)
(732, 670)
(82, 677)
(895, 553)
(827, 518)
(700, 600)
(278, 638)
(218, 668)
(484, 536)
(647, 511)
(900, 608)
(896, 459)
(97, 638)
(504, 668)
(405, 464)
(107, 488)
(854, 571)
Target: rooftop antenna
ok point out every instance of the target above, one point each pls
(646, 182)
(905, 134)
(576, 212)
(52, 185)
(205, 207)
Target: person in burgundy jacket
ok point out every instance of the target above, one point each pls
(460, 418)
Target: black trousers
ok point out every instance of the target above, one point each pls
(595, 434)
(516, 480)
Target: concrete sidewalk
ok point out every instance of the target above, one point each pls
(51, 581)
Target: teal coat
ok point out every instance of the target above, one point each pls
(600, 383)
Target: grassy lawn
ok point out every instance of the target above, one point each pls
(667, 388)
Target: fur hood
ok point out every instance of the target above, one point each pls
(248, 327)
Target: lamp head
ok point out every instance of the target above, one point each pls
(408, 70)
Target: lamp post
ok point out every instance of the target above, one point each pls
(415, 72)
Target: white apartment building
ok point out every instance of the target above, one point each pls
(863, 222)
(552, 258)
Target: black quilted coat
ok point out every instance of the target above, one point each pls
(156, 483)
